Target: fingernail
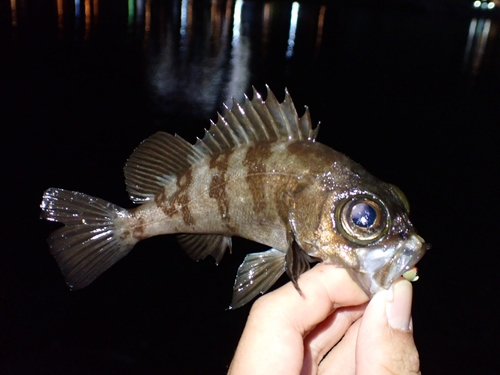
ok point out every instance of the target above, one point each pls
(398, 305)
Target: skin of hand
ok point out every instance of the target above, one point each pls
(333, 328)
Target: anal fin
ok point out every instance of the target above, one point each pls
(257, 273)
(198, 246)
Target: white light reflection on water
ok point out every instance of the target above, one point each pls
(185, 20)
(192, 70)
(191, 48)
(477, 40)
(139, 12)
(294, 16)
(237, 22)
(239, 73)
(470, 39)
(483, 31)
(184, 11)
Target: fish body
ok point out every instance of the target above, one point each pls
(258, 173)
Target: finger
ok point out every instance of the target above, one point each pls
(341, 359)
(327, 334)
(385, 339)
(272, 342)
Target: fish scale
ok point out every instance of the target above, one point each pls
(258, 173)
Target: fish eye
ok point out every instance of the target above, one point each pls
(363, 215)
(362, 219)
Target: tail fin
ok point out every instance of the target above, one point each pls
(90, 242)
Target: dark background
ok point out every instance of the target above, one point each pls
(409, 89)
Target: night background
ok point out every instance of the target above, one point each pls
(409, 89)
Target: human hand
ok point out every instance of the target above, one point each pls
(289, 334)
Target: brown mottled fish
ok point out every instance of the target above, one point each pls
(259, 174)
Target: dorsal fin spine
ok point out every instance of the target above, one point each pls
(285, 115)
(264, 114)
(314, 132)
(230, 126)
(197, 153)
(234, 126)
(218, 133)
(241, 133)
(231, 136)
(291, 115)
(305, 123)
(240, 113)
(256, 123)
(274, 109)
(202, 147)
(211, 142)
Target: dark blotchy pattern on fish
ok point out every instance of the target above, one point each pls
(218, 166)
(255, 163)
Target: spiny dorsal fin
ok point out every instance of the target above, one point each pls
(162, 157)
(257, 120)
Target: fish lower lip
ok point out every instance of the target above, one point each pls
(406, 256)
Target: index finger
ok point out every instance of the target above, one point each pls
(272, 341)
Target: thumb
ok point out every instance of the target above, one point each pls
(385, 339)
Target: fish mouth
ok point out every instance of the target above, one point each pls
(380, 267)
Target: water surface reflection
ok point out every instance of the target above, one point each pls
(199, 52)
(208, 50)
(482, 36)
(197, 58)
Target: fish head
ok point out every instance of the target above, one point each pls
(364, 227)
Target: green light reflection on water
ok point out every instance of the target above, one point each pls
(131, 11)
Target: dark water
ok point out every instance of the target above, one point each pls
(410, 89)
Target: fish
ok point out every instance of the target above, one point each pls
(257, 173)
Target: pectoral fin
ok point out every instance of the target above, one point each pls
(257, 273)
(296, 263)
